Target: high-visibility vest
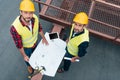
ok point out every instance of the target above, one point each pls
(73, 43)
(28, 38)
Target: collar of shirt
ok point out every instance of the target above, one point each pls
(32, 21)
(76, 34)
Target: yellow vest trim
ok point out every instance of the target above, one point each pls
(73, 43)
(28, 38)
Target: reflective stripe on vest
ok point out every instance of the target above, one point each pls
(73, 43)
(28, 39)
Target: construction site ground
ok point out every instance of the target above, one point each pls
(102, 61)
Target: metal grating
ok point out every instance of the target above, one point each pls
(111, 32)
(117, 2)
(107, 20)
(104, 15)
(58, 14)
(73, 6)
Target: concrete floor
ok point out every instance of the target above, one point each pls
(102, 61)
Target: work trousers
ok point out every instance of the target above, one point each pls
(28, 52)
(67, 63)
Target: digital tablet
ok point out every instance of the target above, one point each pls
(54, 35)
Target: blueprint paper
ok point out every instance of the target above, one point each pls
(49, 56)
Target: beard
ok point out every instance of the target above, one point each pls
(27, 19)
(76, 30)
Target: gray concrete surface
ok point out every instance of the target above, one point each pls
(102, 61)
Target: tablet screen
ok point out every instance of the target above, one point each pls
(53, 35)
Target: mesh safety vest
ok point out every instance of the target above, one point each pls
(73, 43)
(28, 38)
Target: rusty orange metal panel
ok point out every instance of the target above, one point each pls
(104, 15)
(104, 20)
(57, 28)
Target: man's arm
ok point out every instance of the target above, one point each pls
(81, 51)
(26, 58)
(18, 42)
(43, 38)
(42, 35)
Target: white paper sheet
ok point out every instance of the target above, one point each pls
(49, 56)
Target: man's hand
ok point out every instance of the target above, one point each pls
(45, 41)
(26, 58)
(67, 40)
(74, 58)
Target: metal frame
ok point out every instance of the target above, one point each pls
(115, 39)
(47, 4)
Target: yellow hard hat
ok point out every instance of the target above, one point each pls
(27, 5)
(81, 18)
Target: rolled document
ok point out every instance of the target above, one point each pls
(67, 58)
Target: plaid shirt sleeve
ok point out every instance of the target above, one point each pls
(16, 37)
